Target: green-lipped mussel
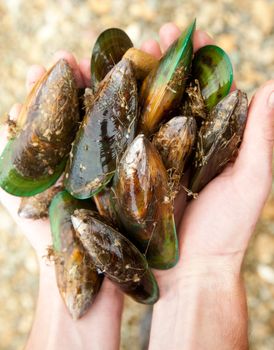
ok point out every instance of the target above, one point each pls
(108, 50)
(219, 138)
(212, 68)
(163, 88)
(116, 257)
(76, 275)
(36, 157)
(133, 178)
(36, 207)
(105, 206)
(143, 63)
(108, 127)
(142, 202)
(175, 142)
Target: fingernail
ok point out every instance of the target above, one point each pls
(271, 100)
(14, 112)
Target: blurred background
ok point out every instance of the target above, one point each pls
(30, 33)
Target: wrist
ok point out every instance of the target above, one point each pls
(197, 269)
(204, 306)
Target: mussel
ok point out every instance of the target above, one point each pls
(76, 275)
(36, 157)
(175, 142)
(108, 127)
(143, 63)
(104, 205)
(108, 50)
(142, 201)
(219, 138)
(36, 207)
(163, 88)
(212, 68)
(116, 257)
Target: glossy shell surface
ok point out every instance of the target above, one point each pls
(77, 277)
(36, 157)
(163, 88)
(213, 69)
(142, 202)
(219, 138)
(116, 257)
(108, 50)
(108, 127)
(36, 207)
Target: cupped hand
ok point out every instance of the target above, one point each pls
(214, 229)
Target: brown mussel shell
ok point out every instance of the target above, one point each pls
(143, 205)
(36, 157)
(219, 138)
(175, 141)
(108, 127)
(37, 207)
(76, 275)
(143, 63)
(116, 257)
(104, 205)
(163, 88)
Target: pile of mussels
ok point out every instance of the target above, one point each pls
(119, 151)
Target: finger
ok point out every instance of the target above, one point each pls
(34, 73)
(104, 317)
(84, 66)
(152, 47)
(14, 111)
(168, 33)
(253, 166)
(73, 64)
(201, 39)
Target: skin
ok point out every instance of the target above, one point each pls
(203, 301)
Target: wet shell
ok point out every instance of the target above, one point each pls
(36, 207)
(108, 50)
(175, 141)
(116, 257)
(34, 160)
(108, 127)
(219, 139)
(163, 88)
(77, 277)
(212, 68)
(105, 206)
(142, 202)
(143, 63)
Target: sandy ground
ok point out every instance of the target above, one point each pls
(30, 33)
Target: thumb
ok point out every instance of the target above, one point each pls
(253, 167)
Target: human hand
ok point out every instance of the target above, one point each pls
(203, 301)
(214, 230)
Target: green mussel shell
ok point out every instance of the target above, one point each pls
(108, 50)
(163, 88)
(116, 257)
(36, 157)
(77, 277)
(108, 127)
(144, 208)
(219, 139)
(212, 68)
